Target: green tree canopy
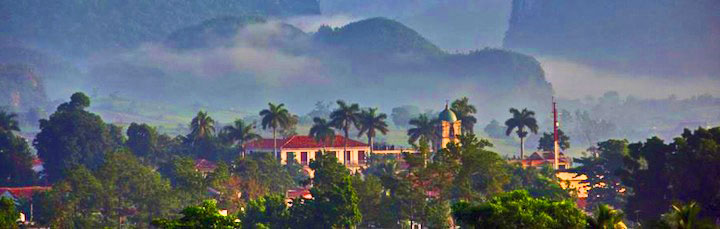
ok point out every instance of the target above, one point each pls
(322, 131)
(205, 215)
(276, 116)
(517, 209)
(659, 173)
(521, 120)
(239, 133)
(71, 137)
(370, 122)
(547, 141)
(423, 127)
(8, 214)
(266, 170)
(142, 139)
(269, 210)
(15, 156)
(464, 111)
(345, 117)
(122, 187)
(334, 203)
(605, 217)
(477, 171)
(602, 172)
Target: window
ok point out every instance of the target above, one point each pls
(304, 158)
(361, 157)
(290, 156)
(347, 157)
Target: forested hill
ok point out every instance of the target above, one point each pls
(372, 59)
(376, 36)
(79, 26)
(652, 37)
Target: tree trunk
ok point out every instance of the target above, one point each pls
(274, 143)
(522, 148)
(345, 143)
(370, 142)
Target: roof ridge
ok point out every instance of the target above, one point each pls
(287, 141)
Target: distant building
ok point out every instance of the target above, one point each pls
(204, 166)
(450, 127)
(303, 149)
(542, 158)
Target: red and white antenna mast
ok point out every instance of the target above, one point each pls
(556, 125)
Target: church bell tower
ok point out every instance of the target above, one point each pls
(450, 127)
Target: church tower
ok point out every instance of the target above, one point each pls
(450, 127)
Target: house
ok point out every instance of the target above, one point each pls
(303, 149)
(542, 158)
(204, 166)
(24, 192)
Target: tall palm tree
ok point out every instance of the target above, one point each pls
(344, 117)
(370, 123)
(605, 217)
(8, 121)
(239, 133)
(202, 127)
(521, 120)
(424, 127)
(276, 116)
(322, 131)
(464, 111)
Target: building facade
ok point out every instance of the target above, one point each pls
(450, 127)
(303, 149)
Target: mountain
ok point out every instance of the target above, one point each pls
(22, 88)
(377, 36)
(79, 27)
(55, 76)
(662, 37)
(246, 62)
(451, 25)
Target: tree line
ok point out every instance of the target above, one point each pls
(104, 178)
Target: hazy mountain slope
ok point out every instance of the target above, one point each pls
(78, 27)
(452, 25)
(663, 37)
(376, 61)
(377, 36)
(21, 88)
(59, 76)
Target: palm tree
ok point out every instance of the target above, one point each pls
(276, 116)
(464, 111)
(322, 131)
(686, 217)
(8, 121)
(344, 117)
(202, 127)
(521, 120)
(605, 217)
(424, 127)
(239, 133)
(370, 122)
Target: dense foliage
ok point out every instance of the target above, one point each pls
(73, 136)
(8, 213)
(15, 156)
(659, 173)
(518, 209)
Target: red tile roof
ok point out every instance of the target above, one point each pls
(24, 192)
(546, 156)
(302, 142)
(203, 165)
